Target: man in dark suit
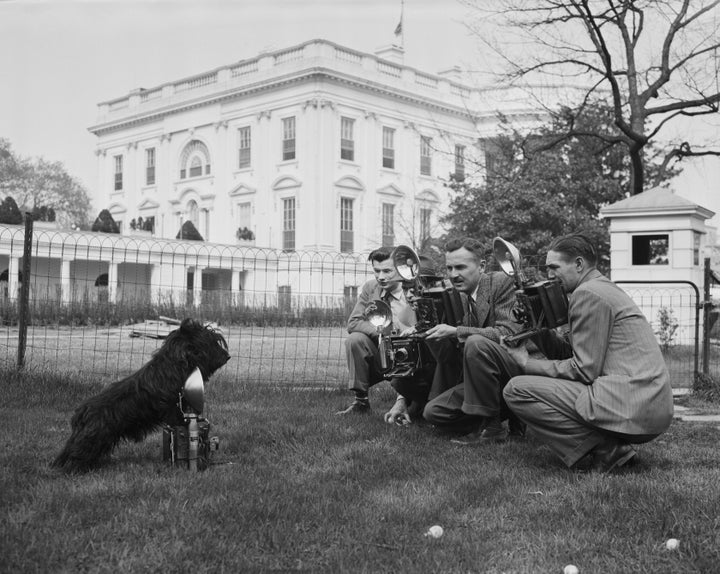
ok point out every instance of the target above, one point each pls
(604, 388)
(488, 299)
(361, 346)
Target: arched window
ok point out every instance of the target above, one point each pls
(194, 160)
(191, 213)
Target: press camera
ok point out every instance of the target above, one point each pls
(539, 305)
(433, 302)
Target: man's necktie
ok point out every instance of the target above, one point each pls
(472, 310)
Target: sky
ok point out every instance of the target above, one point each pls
(59, 59)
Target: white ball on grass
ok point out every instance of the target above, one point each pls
(672, 544)
(435, 531)
(571, 569)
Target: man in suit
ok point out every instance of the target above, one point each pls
(604, 388)
(361, 346)
(488, 299)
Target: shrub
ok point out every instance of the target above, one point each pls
(707, 388)
(667, 328)
(10, 212)
(189, 232)
(105, 223)
(244, 234)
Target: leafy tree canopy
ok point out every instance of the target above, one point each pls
(105, 223)
(533, 192)
(38, 182)
(654, 61)
(189, 231)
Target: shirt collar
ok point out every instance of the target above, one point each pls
(395, 291)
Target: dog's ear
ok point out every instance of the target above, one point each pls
(189, 326)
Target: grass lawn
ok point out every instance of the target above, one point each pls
(297, 489)
(279, 355)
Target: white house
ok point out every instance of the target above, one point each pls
(315, 147)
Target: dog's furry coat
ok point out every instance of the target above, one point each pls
(133, 407)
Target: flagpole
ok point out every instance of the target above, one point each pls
(400, 29)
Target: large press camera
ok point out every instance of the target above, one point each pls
(539, 305)
(433, 302)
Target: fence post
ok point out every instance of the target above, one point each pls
(24, 303)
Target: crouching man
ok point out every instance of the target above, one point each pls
(606, 387)
(361, 346)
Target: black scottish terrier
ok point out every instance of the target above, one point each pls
(133, 407)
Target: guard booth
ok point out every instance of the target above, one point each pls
(657, 247)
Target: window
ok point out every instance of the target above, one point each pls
(194, 160)
(244, 146)
(493, 155)
(288, 241)
(388, 152)
(459, 162)
(288, 145)
(244, 215)
(346, 225)
(195, 167)
(150, 166)
(118, 172)
(347, 142)
(425, 217)
(650, 249)
(696, 248)
(388, 224)
(425, 156)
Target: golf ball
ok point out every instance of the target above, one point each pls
(435, 531)
(571, 569)
(672, 544)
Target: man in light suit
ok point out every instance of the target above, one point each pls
(361, 346)
(488, 299)
(606, 387)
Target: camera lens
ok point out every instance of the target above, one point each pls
(401, 355)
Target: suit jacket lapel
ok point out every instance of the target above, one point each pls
(482, 307)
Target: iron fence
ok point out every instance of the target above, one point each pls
(96, 304)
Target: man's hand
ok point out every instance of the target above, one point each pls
(398, 414)
(441, 331)
(519, 354)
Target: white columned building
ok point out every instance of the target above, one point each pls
(316, 147)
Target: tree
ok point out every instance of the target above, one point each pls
(655, 60)
(189, 232)
(534, 192)
(105, 223)
(9, 211)
(38, 182)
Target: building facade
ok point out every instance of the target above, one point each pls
(317, 147)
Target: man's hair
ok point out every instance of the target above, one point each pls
(379, 254)
(472, 245)
(575, 245)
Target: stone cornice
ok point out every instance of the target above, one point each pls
(301, 76)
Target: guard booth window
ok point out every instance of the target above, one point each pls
(650, 249)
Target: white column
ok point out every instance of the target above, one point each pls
(155, 275)
(112, 282)
(236, 296)
(65, 287)
(13, 268)
(197, 286)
